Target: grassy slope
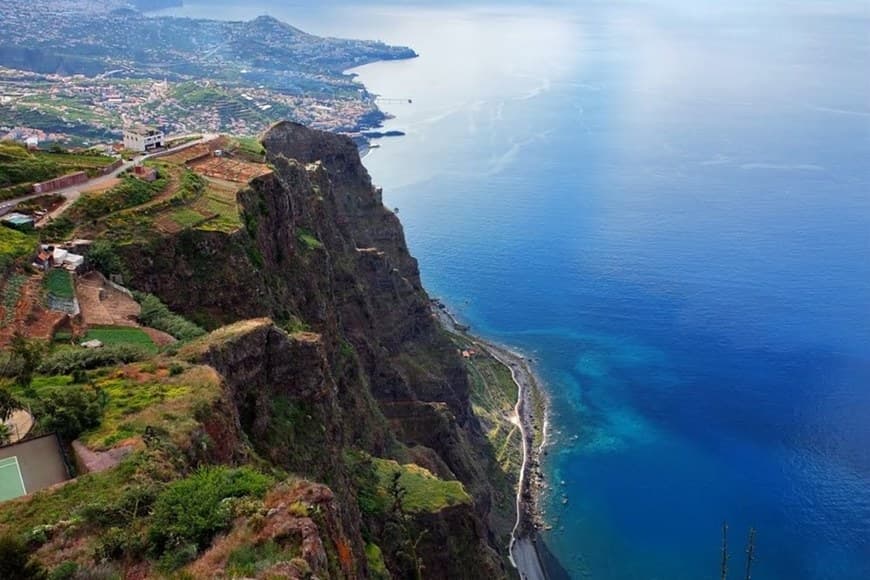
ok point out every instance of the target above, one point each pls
(121, 335)
(425, 492)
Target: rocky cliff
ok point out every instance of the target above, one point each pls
(345, 367)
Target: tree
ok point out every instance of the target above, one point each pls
(26, 356)
(70, 411)
(8, 404)
(103, 257)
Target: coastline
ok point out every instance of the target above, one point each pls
(527, 556)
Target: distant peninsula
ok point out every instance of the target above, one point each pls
(85, 71)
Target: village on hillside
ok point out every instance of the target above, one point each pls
(58, 234)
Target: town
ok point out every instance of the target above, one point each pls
(236, 77)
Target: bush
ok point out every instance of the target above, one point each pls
(67, 361)
(65, 571)
(57, 229)
(129, 193)
(192, 510)
(15, 562)
(103, 257)
(157, 315)
(70, 411)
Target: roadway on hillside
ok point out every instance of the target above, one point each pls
(71, 194)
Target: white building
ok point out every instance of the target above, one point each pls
(142, 139)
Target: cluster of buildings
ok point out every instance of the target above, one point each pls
(56, 256)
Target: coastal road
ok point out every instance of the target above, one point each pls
(522, 550)
(74, 192)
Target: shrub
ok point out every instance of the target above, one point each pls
(57, 229)
(129, 193)
(65, 362)
(157, 315)
(70, 411)
(192, 510)
(103, 257)
(15, 562)
(64, 571)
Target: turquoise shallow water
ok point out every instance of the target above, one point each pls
(667, 204)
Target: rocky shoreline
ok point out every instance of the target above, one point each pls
(525, 549)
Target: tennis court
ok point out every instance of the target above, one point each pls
(31, 465)
(11, 481)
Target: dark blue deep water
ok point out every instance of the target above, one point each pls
(667, 205)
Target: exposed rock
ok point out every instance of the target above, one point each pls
(319, 251)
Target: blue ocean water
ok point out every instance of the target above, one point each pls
(667, 204)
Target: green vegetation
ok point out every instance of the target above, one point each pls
(65, 361)
(118, 335)
(186, 217)
(192, 186)
(375, 559)
(104, 257)
(134, 404)
(248, 561)
(423, 491)
(57, 229)
(16, 563)
(59, 283)
(11, 296)
(14, 246)
(18, 166)
(69, 411)
(157, 315)
(190, 511)
(48, 507)
(308, 239)
(129, 193)
(493, 398)
(24, 358)
(109, 405)
(222, 204)
(251, 147)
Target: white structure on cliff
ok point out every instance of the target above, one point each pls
(142, 139)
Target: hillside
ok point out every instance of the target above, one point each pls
(323, 427)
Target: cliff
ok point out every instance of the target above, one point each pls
(328, 373)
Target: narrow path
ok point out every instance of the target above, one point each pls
(522, 552)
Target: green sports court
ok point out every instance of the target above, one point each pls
(11, 480)
(31, 465)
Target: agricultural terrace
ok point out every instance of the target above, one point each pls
(20, 168)
(195, 188)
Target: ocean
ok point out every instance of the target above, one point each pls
(667, 205)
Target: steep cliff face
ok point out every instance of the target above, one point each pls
(365, 366)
